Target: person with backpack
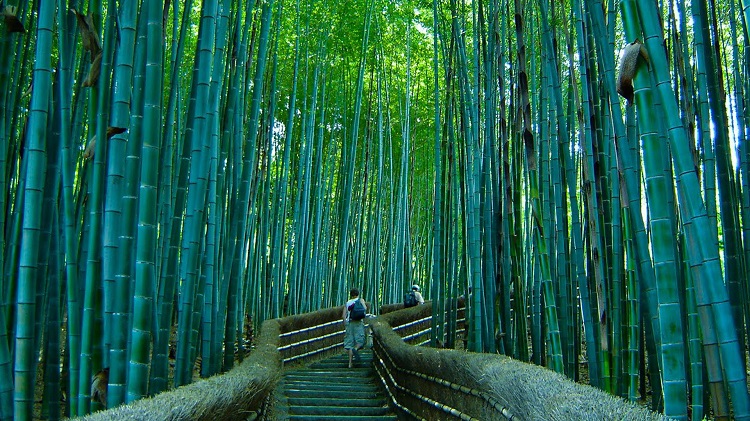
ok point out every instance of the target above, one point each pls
(353, 315)
(417, 294)
(414, 297)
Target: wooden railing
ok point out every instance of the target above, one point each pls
(241, 393)
(245, 391)
(422, 382)
(429, 383)
(311, 336)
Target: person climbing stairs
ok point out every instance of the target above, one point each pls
(328, 390)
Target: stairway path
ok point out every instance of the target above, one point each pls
(328, 390)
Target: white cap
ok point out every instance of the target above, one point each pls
(415, 287)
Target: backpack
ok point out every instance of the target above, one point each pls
(357, 310)
(410, 300)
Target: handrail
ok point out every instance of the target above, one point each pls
(308, 329)
(422, 382)
(504, 411)
(428, 383)
(391, 382)
(309, 341)
(241, 392)
(245, 391)
(311, 335)
(410, 324)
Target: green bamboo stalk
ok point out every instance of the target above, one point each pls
(300, 288)
(319, 237)
(540, 92)
(495, 329)
(695, 351)
(10, 47)
(240, 222)
(194, 223)
(13, 146)
(68, 160)
(338, 288)
(553, 332)
(658, 182)
(25, 360)
(392, 291)
(605, 154)
(232, 124)
(16, 104)
(237, 290)
(626, 157)
(469, 196)
(6, 373)
(211, 269)
(92, 329)
(438, 253)
(703, 257)
(141, 336)
(732, 250)
(272, 291)
(120, 308)
(403, 266)
(281, 199)
(633, 311)
(47, 297)
(599, 208)
(167, 286)
(53, 322)
(556, 150)
(746, 21)
(304, 274)
(617, 274)
(170, 165)
(5, 143)
(578, 101)
(742, 123)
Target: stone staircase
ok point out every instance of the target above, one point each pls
(328, 390)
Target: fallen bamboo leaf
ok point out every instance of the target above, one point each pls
(88, 153)
(89, 35)
(111, 131)
(99, 383)
(94, 71)
(90, 148)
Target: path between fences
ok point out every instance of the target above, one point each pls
(328, 390)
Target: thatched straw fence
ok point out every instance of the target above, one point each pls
(243, 392)
(414, 325)
(239, 394)
(440, 384)
(311, 336)
(422, 382)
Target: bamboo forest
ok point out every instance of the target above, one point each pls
(173, 173)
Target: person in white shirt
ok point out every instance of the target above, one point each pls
(354, 336)
(417, 294)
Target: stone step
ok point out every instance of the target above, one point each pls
(329, 390)
(321, 378)
(332, 372)
(309, 385)
(337, 410)
(344, 364)
(338, 401)
(342, 360)
(328, 394)
(343, 417)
